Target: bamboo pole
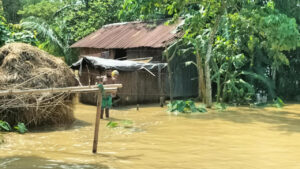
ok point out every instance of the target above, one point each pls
(99, 104)
(108, 88)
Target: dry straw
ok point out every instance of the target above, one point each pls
(26, 67)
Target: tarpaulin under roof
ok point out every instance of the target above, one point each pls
(110, 64)
(130, 35)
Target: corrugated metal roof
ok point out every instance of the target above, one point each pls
(129, 35)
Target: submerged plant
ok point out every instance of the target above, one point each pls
(112, 124)
(124, 124)
(220, 106)
(21, 128)
(185, 106)
(278, 102)
(127, 123)
(4, 126)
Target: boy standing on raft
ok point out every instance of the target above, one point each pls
(110, 78)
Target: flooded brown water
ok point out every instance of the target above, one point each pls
(239, 138)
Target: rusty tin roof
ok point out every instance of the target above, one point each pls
(129, 35)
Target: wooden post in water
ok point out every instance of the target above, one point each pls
(99, 104)
(161, 97)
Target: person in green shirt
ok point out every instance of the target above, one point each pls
(110, 78)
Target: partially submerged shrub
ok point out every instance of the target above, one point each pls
(21, 128)
(4, 126)
(220, 106)
(185, 106)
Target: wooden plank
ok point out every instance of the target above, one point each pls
(108, 89)
(97, 124)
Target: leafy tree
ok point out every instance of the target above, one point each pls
(289, 7)
(144, 10)
(69, 22)
(29, 2)
(81, 22)
(44, 9)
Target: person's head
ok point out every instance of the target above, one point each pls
(98, 79)
(108, 73)
(115, 74)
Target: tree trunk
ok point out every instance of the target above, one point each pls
(201, 78)
(208, 91)
(217, 70)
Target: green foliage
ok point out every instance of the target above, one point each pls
(29, 2)
(4, 31)
(44, 30)
(1, 8)
(289, 7)
(112, 124)
(123, 123)
(185, 106)
(278, 102)
(15, 33)
(145, 10)
(81, 21)
(67, 22)
(220, 106)
(127, 123)
(21, 128)
(10, 9)
(4, 126)
(44, 9)
(288, 78)
(250, 46)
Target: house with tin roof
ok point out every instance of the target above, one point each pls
(140, 42)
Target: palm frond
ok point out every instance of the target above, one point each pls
(41, 26)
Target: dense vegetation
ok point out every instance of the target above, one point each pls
(242, 47)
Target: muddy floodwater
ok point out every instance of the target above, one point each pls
(239, 138)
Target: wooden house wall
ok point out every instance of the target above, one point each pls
(156, 53)
(96, 52)
(139, 87)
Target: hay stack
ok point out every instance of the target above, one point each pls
(26, 67)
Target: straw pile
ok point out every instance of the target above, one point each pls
(26, 67)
